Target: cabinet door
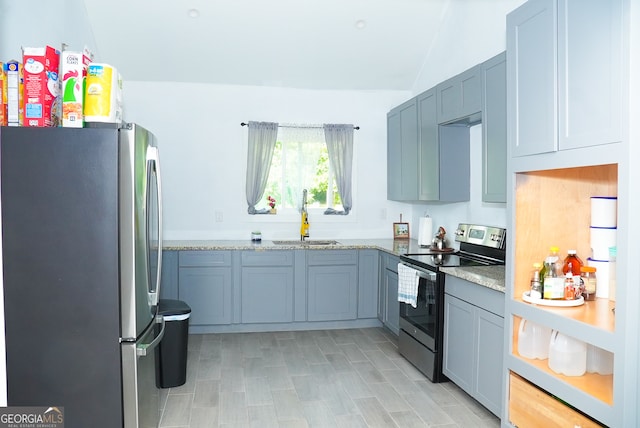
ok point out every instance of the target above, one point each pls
(332, 293)
(402, 152)
(207, 290)
(429, 166)
(169, 278)
(590, 72)
(459, 342)
(392, 318)
(267, 294)
(367, 283)
(531, 78)
(460, 96)
(489, 357)
(494, 130)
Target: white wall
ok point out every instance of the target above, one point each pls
(203, 154)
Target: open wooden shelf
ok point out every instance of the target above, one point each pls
(597, 385)
(597, 313)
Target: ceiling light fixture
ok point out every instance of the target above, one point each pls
(193, 13)
(360, 24)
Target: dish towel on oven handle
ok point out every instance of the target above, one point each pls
(408, 280)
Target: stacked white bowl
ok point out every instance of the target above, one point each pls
(604, 227)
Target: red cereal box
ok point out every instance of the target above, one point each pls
(3, 95)
(41, 86)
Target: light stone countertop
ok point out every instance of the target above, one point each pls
(487, 276)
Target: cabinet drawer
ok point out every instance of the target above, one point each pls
(476, 294)
(530, 406)
(204, 258)
(332, 257)
(267, 258)
(391, 263)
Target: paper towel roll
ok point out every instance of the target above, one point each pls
(601, 239)
(425, 231)
(604, 211)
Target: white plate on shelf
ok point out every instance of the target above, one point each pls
(552, 302)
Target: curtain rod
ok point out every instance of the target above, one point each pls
(301, 126)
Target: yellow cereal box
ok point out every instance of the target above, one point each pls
(15, 88)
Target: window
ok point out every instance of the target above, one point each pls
(301, 161)
(284, 160)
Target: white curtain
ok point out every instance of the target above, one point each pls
(262, 141)
(339, 140)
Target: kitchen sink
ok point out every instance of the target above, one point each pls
(308, 242)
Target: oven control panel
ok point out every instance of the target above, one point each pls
(488, 236)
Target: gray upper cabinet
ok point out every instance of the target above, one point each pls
(460, 96)
(494, 129)
(531, 71)
(565, 73)
(590, 75)
(429, 162)
(429, 172)
(402, 150)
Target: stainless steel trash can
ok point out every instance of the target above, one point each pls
(172, 352)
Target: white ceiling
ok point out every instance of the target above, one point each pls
(313, 44)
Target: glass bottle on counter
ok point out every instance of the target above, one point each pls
(552, 285)
(572, 263)
(536, 284)
(589, 282)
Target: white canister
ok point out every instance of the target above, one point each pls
(604, 211)
(567, 356)
(533, 340)
(601, 239)
(602, 276)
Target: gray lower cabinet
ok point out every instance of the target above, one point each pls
(266, 287)
(205, 284)
(494, 129)
(473, 340)
(388, 306)
(332, 285)
(368, 261)
(169, 279)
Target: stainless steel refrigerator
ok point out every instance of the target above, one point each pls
(81, 245)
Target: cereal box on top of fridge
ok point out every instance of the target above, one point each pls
(15, 90)
(73, 74)
(41, 86)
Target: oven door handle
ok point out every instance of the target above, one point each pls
(426, 274)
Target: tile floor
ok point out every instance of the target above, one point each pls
(323, 378)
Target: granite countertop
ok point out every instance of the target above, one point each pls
(488, 276)
(391, 246)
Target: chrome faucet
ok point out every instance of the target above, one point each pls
(304, 217)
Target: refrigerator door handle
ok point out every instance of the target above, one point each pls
(153, 157)
(143, 349)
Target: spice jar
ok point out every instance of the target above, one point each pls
(588, 276)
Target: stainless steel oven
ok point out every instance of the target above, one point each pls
(421, 327)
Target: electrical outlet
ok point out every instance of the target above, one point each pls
(383, 214)
(218, 216)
